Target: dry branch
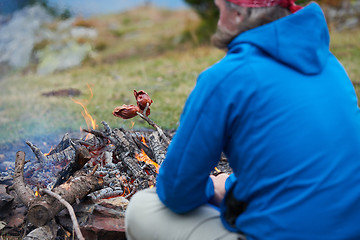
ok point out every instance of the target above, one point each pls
(38, 153)
(71, 212)
(55, 156)
(25, 194)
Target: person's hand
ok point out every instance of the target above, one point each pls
(219, 187)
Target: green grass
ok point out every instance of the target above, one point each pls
(346, 47)
(155, 64)
(140, 51)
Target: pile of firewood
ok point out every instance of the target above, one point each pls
(104, 164)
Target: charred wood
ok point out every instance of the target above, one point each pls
(94, 143)
(82, 156)
(138, 140)
(62, 145)
(108, 192)
(63, 156)
(38, 153)
(132, 165)
(54, 156)
(5, 178)
(159, 149)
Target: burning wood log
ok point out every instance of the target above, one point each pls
(157, 147)
(82, 156)
(141, 142)
(44, 208)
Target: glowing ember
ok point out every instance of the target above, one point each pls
(66, 186)
(144, 158)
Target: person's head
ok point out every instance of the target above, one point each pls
(237, 16)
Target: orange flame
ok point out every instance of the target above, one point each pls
(145, 158)
(91, 92)
(90, 122)
(37, 194)
(47, 154)
(143, 141)
(217, 169)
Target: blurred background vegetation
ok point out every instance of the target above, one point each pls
(147, 48)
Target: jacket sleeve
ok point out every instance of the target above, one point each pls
(183, 181)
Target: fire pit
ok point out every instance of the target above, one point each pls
(97, 174)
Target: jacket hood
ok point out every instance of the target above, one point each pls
(300, 40)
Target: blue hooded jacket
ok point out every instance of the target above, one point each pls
(283, 110)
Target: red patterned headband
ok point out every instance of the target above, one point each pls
(289, 4)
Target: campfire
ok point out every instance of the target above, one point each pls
(103, 164)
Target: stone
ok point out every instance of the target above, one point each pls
(82, 32)
(5, 199)
(103, 219)
(27, 38)
(56, 58)
(104, 228)
(17, 219)
(19, 35)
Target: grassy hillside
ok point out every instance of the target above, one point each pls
(134, 51)
(144, 51)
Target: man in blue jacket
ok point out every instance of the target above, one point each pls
(283, 110)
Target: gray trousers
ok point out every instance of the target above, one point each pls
(146, 218)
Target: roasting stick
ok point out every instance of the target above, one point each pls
(70, 209)
(151, 123)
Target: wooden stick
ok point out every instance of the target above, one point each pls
(71, 212)
(151, 123)
(39, 155)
